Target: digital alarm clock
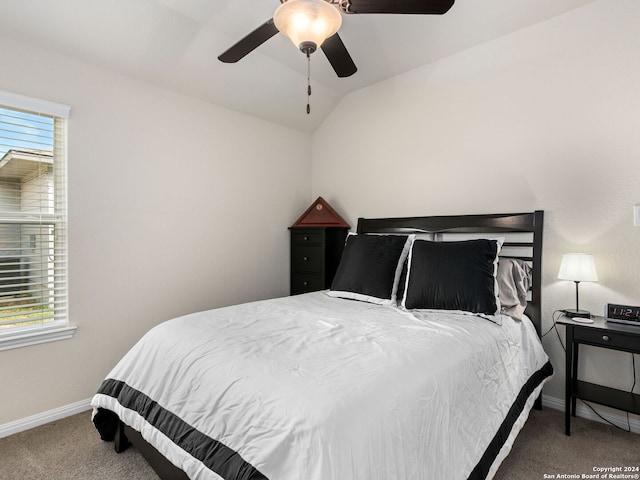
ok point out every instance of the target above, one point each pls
(622, 314)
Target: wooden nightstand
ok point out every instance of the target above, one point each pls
(317, 241)
(602, 334)
(315, 255)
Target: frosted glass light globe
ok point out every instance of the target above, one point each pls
(307, 23)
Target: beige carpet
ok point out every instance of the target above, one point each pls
(68, 449)
(543, 448)
(71, 449)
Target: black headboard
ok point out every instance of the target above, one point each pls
(522, 231)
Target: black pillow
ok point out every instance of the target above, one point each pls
(453, 276)
(370, 267)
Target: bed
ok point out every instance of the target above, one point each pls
(391, 374)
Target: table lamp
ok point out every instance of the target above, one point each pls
(578, 267)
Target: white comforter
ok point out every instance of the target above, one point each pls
(318, 388)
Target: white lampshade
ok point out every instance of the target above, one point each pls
(578, 267)
(307, 23)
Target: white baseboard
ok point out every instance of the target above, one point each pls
(44, 417)
(618, 418)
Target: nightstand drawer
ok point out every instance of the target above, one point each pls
(308, 238)
(307, 259)
(606, 338)
(305, 282)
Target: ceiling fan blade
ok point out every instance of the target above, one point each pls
(338, 56)
(425, 7)
(249, 43)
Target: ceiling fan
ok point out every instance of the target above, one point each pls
(315, 23)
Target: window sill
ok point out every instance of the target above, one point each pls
(26, 338)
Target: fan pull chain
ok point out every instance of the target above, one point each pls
(308, 83)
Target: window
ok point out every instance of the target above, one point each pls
(33, 221)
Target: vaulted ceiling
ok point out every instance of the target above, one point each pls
(175, 44)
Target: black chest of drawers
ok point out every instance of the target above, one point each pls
(315, 255)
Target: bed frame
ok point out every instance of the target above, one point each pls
(523, 240)
(522, 232)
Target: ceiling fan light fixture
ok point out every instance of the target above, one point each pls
(307, 23)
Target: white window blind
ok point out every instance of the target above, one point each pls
(33, 217)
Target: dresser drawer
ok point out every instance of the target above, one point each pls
(307, 238)
(307, 259)
(305, 282)
(315, 254)
(608, 339)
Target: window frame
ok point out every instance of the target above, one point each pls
(61, 329)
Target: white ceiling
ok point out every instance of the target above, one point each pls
(175, 43)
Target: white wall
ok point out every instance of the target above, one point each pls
(178, 205)
(175, 205)
(545, 118)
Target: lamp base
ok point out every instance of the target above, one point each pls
(577, 313)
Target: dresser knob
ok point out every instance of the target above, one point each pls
(605, 338)
(305, 283)
(306, 238)
(305, 258)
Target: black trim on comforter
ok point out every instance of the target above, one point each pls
(490, 454)
(229, 464)
(216, 456)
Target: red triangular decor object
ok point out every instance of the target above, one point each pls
(320, 214)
